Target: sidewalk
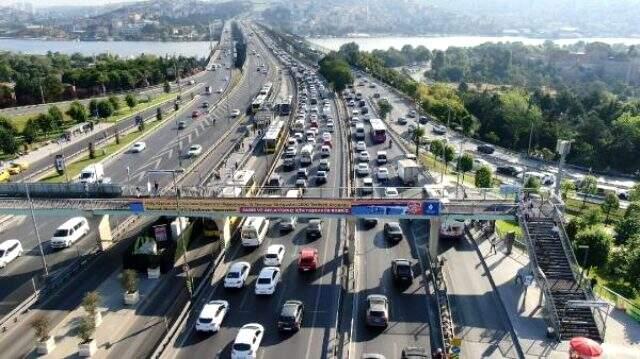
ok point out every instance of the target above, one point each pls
(622, 337)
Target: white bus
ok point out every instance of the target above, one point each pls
(253, 231)
(306, 155)
(273, 137)
(378, 130)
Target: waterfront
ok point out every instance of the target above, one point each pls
(121, 48)
(443, 42)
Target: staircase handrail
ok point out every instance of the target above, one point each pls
(541, 278)
(585, 286)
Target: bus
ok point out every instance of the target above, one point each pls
(285, 106)
(378, 131)
(242, 184)
(274, 136)
(257, 103)
(266, 89)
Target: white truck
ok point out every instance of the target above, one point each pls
(408, 171)
(93, 174)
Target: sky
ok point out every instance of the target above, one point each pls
(45, 3)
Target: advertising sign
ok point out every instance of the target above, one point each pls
(431, 208)
(160, 232)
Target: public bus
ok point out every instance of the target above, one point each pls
(242, 184)
(285, 106)
(266, 89)
(378, 130)
(257, 103)
(274, 136)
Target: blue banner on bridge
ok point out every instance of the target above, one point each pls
(431, 208)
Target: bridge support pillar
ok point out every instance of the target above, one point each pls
(105, 237)
(226, 231)
(434, 238)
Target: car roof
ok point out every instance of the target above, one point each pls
(8, 243)
(71, 222)
(377, 301)
(402, 261)
(237, 265)
(246, 333)
(210, 309)
(307, 252)
(267, 272)
(290, 307)
(274, 248)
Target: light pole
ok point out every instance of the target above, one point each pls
(562, 147)
(35, 227)
(187, 270)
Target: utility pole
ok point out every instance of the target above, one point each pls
(562, 147)
(41, 93)
(35, 227)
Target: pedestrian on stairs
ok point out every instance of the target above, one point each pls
(492, 240)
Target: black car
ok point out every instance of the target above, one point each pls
(290, 318)
(369, 223)
(508, 170)
(393, 232)
(414, 353)
(362, 103)
(314, 228)
(401, 270)
(364, 110)
(402, 121)
(487, 149)
(423, 120)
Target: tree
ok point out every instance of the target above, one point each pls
(56, 116)
(599, 242)
(78, 112)
(7, 125)
(627, 228)
(166, 87)
(533, 184)
(131, 100)
(465, 164)
(592, 217)
(115, 102)
(336, 70)
(566, 186)
(449, 154)
(611, 202)
(42, 327)
(8, 143)
(633, 209)
(30, 131)
(86, 328)
(91, 301)
(130, 281)
(105, 108)
(483, 177)
(45, 123)
(384, 107)
(416, 137)
(93, 108)
(588, 187)
(634, 193)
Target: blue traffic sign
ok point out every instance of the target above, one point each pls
(136, 207)
(431, 208)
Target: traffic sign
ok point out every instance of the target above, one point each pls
(431, 208)
(136, 207)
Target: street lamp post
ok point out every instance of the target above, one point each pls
(562, 147)
(187, 270)
(584, 260)
(35, 227)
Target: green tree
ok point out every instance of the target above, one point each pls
(588, 187)
(600, 243)
(131, 100)
(592, 217)
(448, 155)
(634, 193)
(567, 186)
(30, 131)
(483, 177)
(45, 123)
(7, 125)
(610, 203)
(166, 87)
(627, 228)
(115, 102)
(78, 112)
(336, 70)
(105, 109)
(56, 116)
(633, 209)
(533, 184)
(93, 108)
(416, 137)
(465, 164)
(8, 143)
(384, 107)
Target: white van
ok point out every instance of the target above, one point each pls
(253, 231)
(289, 223)
(69, 232)
(9, 250)
(359, 131)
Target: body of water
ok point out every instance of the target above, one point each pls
(443, 42)
(121, 48)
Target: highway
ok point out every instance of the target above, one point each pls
(318, 291)
(161, 152)
(410, 306)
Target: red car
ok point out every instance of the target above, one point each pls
(308, 259)
(195, 114)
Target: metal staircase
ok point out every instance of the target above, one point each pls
(569, 304)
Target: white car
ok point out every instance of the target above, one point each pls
(237, 275)
(361, 146)
(219, 90)
(479, 162)
(362, 169)
(235, 112)
(247, 341)
(274, 255)
(391, 192)
(363, 156)
(330, 126)
(9, 250)
(138, 147)
(326, 136)
(382, 174)
(212, 315)
(194, 151)
(267, 281)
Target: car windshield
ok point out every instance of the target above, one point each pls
(307, 260)
(376, 313)
(60, 233)
(271, 255)
(264, 280)
(85, 175)
(287, 318)
(241, 347)
(205, 320)
(2, 253)
(403, 269)
(394, 228)
(233, 275)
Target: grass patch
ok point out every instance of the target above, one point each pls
(574, 208)
(504, 227)
(20, 121)
(126, 111)
(74, 168)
